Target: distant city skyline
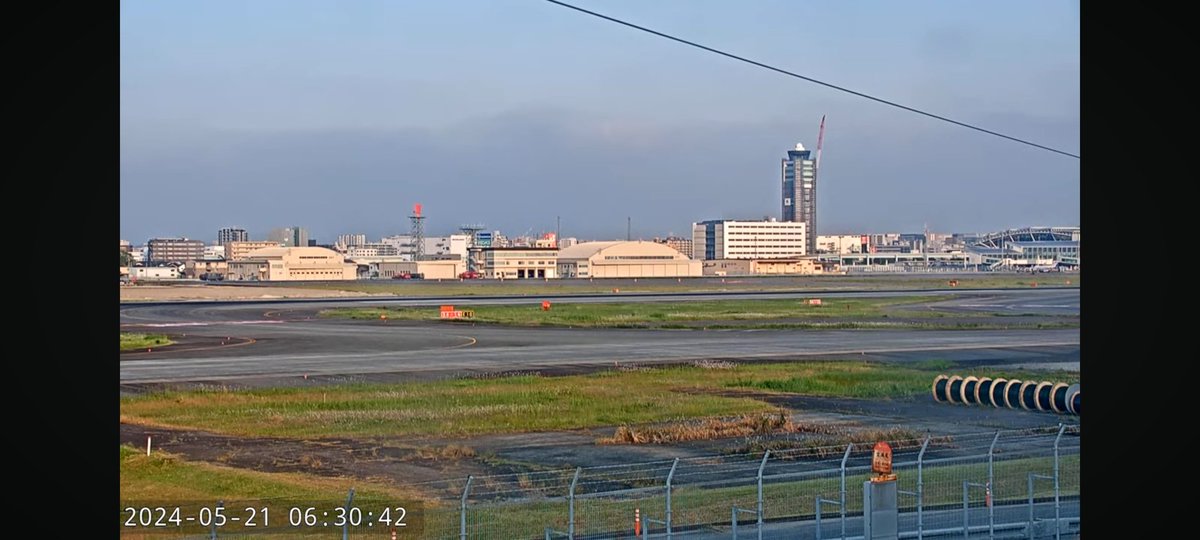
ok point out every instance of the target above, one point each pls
(338, 117)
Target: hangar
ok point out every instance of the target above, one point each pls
(624, 259)
(292, 264)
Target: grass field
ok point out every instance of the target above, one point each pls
(767, 313)
(166, 479)
(693, 505)
(132, 342)
(757, 283)
(162, 479)
(466, 407)
(615, 314)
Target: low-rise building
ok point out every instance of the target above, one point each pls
(749, 267)
(292, 264)
(206, 269)
(625, 259)
(449, 268)
(839, 244)
(174, 250)
(154, 272)
(516, 262)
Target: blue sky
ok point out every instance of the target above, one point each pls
(338, 116)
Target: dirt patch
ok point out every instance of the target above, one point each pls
(336, 458)
(152, 293)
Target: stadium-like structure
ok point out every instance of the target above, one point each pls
(1029, 248)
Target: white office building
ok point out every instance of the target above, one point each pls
(733, 239)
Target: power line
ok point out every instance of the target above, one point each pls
(812, 80)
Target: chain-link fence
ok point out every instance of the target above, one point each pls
(1009, 484)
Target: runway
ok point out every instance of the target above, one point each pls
(279, 340)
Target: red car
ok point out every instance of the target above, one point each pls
(470, 274)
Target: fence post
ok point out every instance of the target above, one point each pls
(966, 509)
(346, 524)
(734, 520)
(571, 510)
(818, 517)
(1057, 524)
(462, 509)
(220, 504)
(921, 490)
(1031, 505)
(842, 506)
(670, 475)
(990, 500)
(761, 466)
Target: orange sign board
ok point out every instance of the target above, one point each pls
(447, 308)
(814, 301)
(457, 314)
(881, 461)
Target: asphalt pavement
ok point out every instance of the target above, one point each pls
(230, 341)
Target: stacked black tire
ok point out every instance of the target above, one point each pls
(1043, 396)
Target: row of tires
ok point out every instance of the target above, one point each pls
(1029, 395)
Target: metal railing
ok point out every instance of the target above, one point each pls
(1026, 480)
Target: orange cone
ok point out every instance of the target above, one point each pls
(637, 521)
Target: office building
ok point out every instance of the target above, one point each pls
(800, 193)
(515, 262)
(174, 250)
(290, 236)
(732, 239)
(348, 240)
(682, 245)
(232, 234)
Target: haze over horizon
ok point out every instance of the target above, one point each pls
(339, 116)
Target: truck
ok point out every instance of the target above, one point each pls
(470, 274)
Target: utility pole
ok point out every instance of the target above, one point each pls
(557, 230)
(628, 228)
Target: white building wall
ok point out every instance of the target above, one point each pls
(752, 240)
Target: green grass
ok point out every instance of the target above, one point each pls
(693, 505)
(166, 479)
(132, 342)
(773, 313)
(733, 283)
(868, 381)
(163, 479)
(163, 476)
(467, 407)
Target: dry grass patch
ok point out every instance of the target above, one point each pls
(711, 429)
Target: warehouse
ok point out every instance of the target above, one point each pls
(292, 264)
(634, 259)
(448, 268)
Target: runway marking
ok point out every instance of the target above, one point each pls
(248, 341)
(460, 345)
(214, 323)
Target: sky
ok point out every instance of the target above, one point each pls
(339, 116)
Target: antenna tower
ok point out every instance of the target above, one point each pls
(418, 232)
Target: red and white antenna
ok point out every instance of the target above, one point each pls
(820, 142)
